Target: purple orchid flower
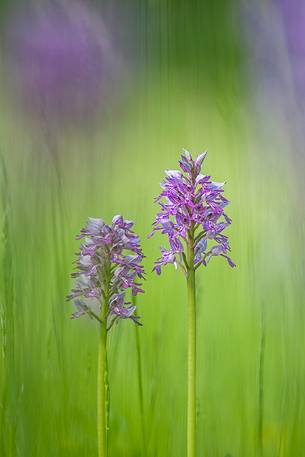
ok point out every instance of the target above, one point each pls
(192, 211)
(108, 264)
(193, 219)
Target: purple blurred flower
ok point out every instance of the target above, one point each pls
(293, 21)
(192, 214)
(64, 60)
(109, 263)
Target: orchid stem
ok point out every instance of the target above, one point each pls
(140, 381)
(261, 382)
(191, 357)
(102, 394)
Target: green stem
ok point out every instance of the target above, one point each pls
(261, 382)
(191, 357)
(102, 393)
(102, 385)
(140, 381)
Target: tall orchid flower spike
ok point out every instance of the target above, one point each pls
(193, 219)
(108, 264)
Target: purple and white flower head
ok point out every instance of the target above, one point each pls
(108, 264)
(192, 212)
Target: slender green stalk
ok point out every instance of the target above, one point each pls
(102, 385)
(103, 405)
(102, 393)
(140, 382)
(191, 357)
(261, 382)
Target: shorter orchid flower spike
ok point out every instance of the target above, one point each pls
(191, 216)
(108, 264)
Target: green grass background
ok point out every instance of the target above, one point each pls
(189, 87)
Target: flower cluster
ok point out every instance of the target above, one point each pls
(192, 216)
(109, 263)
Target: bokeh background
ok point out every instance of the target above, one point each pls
(97, 99)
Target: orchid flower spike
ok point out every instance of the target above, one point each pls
(192, 216)
(108, 264)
